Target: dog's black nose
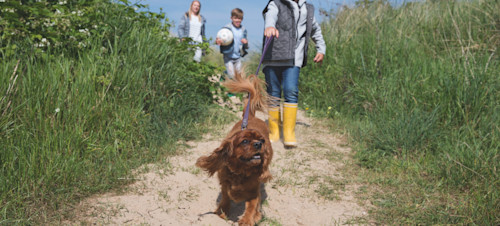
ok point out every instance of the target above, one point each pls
(257, 145)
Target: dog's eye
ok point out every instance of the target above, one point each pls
(245, 141)
(262, 141)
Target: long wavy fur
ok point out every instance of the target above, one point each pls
(253, 85)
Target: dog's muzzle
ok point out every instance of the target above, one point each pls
(257, 145)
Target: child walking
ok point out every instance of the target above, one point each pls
(291, 22)
(233, 52)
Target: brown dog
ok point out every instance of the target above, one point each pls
(242, 160)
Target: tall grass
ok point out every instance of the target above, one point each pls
(422, 82)
(75, 123)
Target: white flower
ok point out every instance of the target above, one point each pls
(85, 31)
(57, 110)
(2, 0)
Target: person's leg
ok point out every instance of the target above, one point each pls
(229, 67)
(237, 65)
(273, 75)
(291, 94)
(291, 84)
(273, 80)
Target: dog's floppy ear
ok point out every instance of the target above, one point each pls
(268, 155)
(217, 159)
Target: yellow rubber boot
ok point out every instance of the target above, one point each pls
(289, 119)
(274, 124)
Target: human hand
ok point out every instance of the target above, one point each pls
(271, 31)
(244, 41)
(319, 58)
(218, 41)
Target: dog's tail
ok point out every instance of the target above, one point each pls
(254, 86)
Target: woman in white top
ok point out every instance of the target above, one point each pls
(192, 25)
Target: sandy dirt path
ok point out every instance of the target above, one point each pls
(309, 187)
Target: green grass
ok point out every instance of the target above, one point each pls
(73, 123)
(418, 90)
(330, 188)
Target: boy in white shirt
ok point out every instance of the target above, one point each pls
(238, 48)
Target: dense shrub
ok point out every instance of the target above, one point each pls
(67, 25)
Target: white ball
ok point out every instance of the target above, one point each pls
(226, 36)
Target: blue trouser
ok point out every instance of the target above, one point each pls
(286, 77)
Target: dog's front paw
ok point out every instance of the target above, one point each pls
(257, 217)
(246, 221)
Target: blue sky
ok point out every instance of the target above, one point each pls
(218, 13)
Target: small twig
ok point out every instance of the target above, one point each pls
(457, 162)
(12, 83)
(149, 212)
(106, 92)
(203, 214)
(489, 59)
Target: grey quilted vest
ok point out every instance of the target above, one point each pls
(283, 48)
